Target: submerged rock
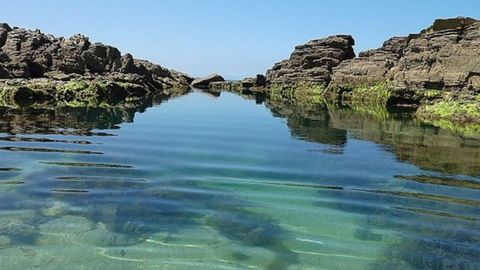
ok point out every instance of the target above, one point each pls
(204, 82)
(101, 236)
(66, 225)
(17, 230)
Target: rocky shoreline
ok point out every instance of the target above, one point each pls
(42, 69)
(436, 71)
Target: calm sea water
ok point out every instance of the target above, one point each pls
(205, 182)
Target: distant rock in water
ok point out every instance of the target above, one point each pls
(312, 62)
(256, 84)
(27, 54)
(204, 82)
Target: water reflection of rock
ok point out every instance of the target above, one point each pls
(425, 146)
(311, 123)
(72, 120)
(406, 221)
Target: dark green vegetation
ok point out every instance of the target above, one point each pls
(76, 93)
(433, 107)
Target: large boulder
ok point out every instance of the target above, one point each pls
(312, 62)
(204, 82)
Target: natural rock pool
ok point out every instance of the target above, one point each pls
(232, 182)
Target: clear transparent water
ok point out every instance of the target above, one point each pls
(225, 183)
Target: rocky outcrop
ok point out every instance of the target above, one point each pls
(312, 62)
(204, 82)
(436, 70)
(443, 57)
(27, 55)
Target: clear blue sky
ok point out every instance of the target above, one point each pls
(235, 38)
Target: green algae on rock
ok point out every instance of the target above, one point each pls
(40, 68)
(418, 70)
(73, 93)
(461, 111)
(306, 94)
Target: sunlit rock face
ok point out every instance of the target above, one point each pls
(313, 61)
(45, 65)
(443, 56)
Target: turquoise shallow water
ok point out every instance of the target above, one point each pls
(231, 182)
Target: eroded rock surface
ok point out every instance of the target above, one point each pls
(443, 56)
(436, 70)
(27, 54)
(312, 62)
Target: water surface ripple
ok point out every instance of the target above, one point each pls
(227, 183)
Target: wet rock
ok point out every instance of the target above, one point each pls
(312, 62)
(204, 82)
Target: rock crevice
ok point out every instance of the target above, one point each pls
(31, 54)
(312, 62)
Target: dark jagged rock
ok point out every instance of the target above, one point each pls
(204, 82)
(29, 55)
(312, 62)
